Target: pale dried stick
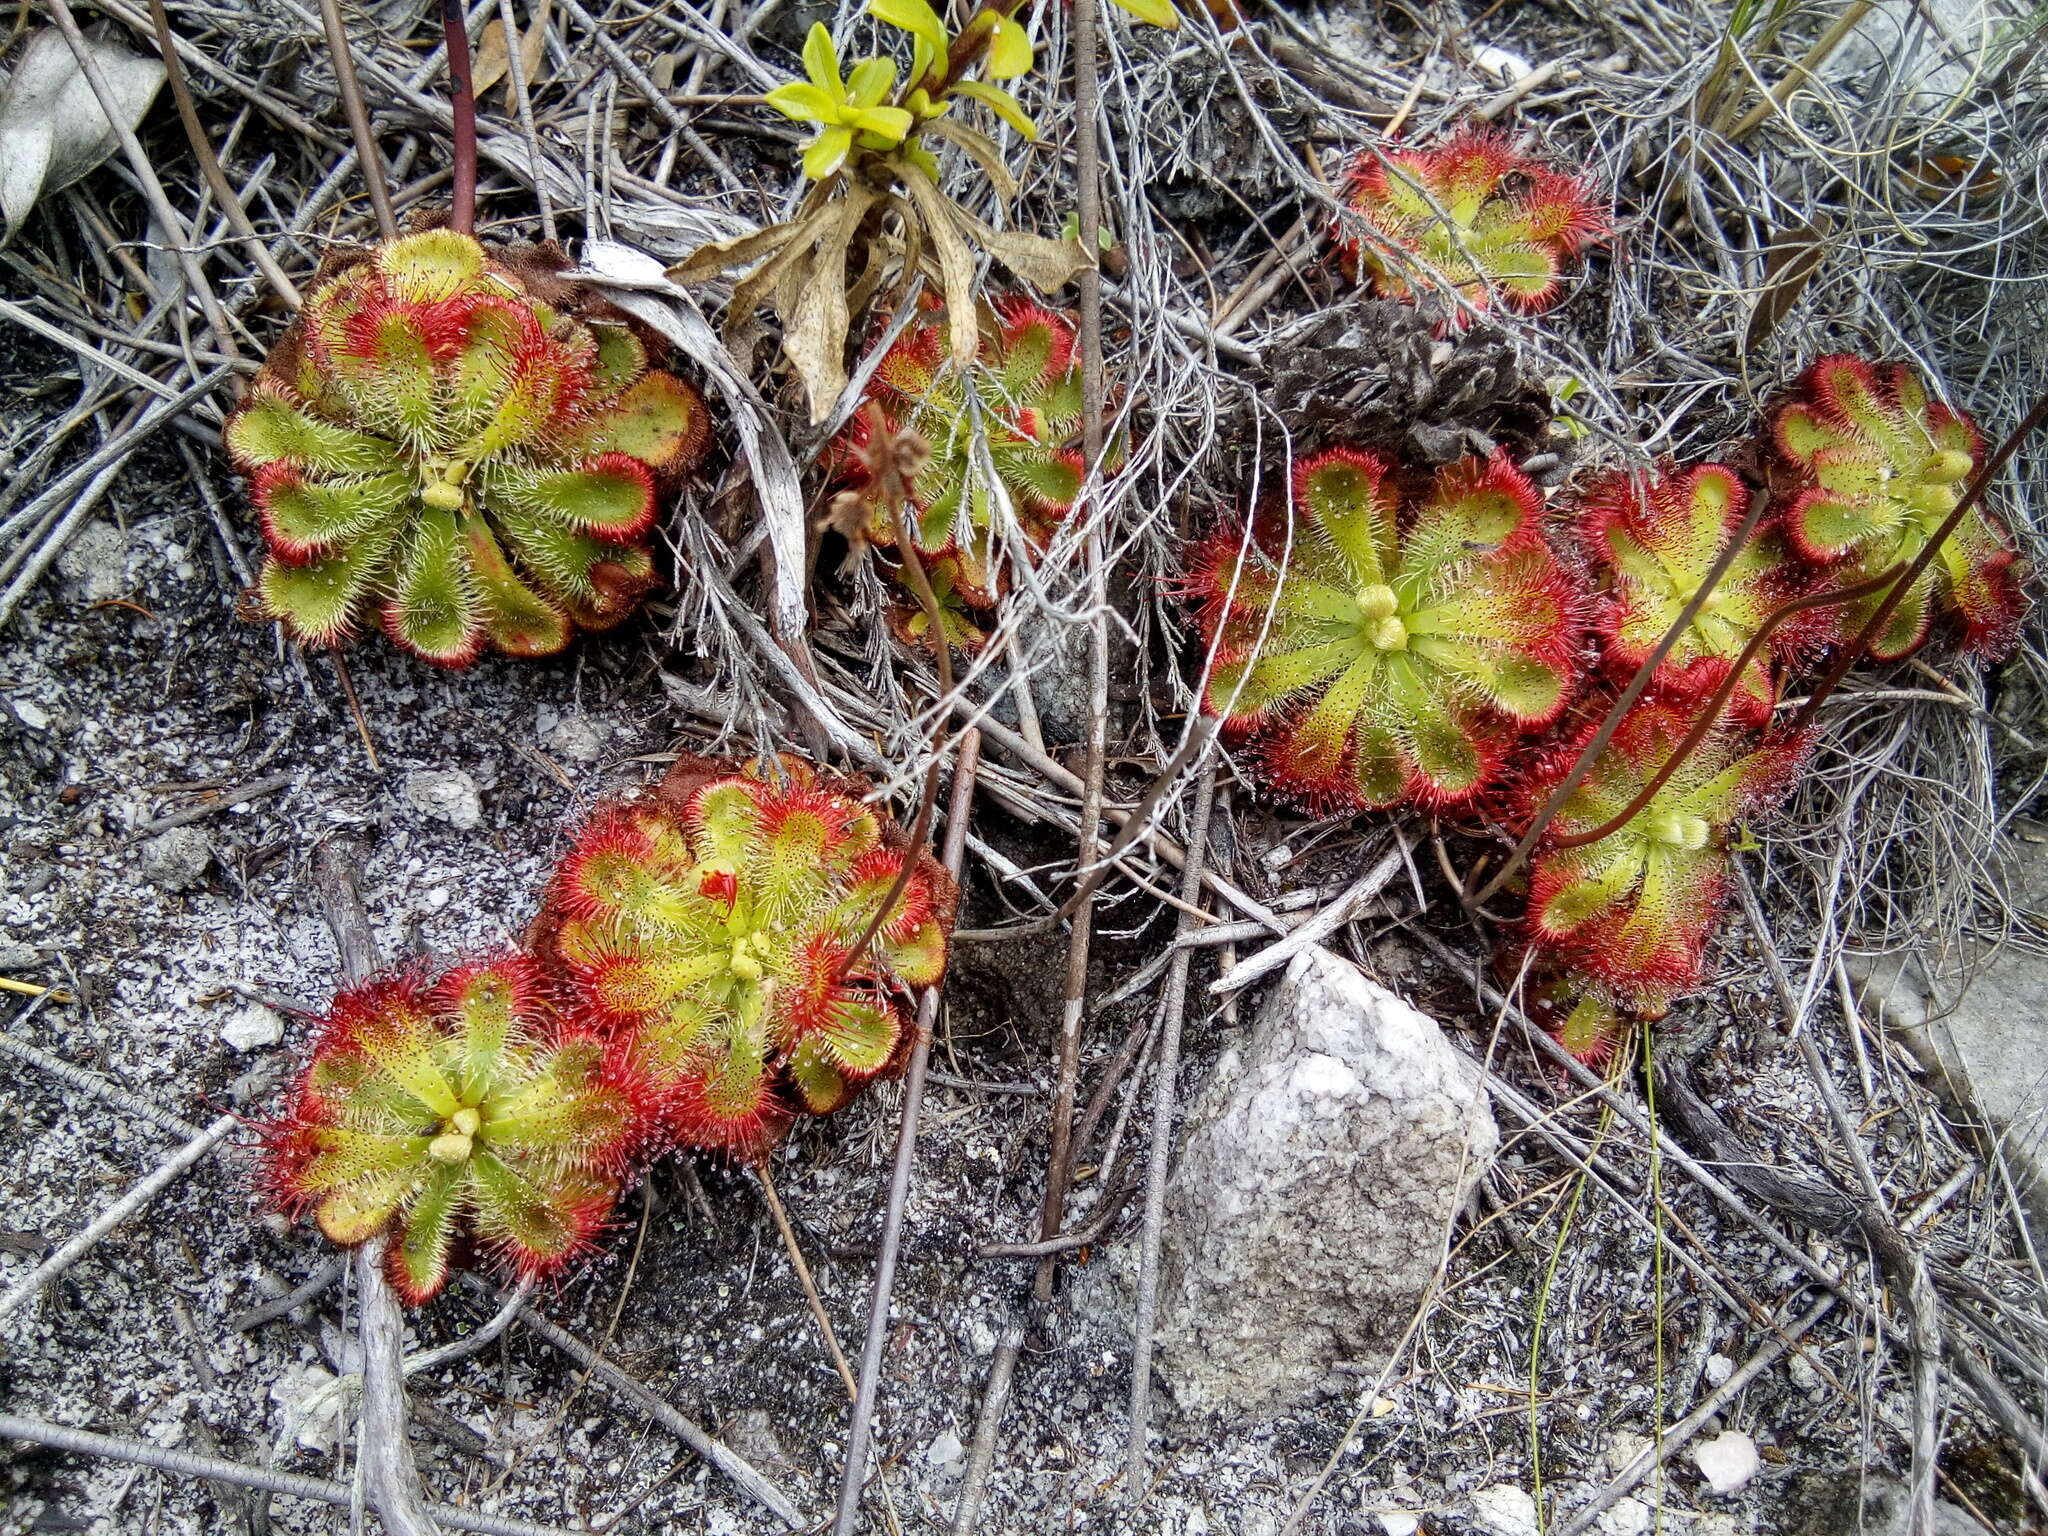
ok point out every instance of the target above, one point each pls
(385, 1462)
(959, 806)
(317, 1489)
(167, 1173)
(803, 1278)
(1165, 1097)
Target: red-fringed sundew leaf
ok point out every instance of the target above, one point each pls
(1484, 220)
(714, 926)
(459, 1112)
(1654, 536)
(1877, 467)
(1373, 664)
(1019, 400)
(433, 447)
(1631, 913)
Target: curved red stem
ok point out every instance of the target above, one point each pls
(1711, 715)
(1972, 494)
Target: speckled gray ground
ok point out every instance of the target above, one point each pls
(110, 706)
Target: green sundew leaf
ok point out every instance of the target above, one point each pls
(727, 820)
(737, 1085)
(1908, 624)
(1026, 356)
(1804, 434)
(1357, 517)
(594, 498)
(787, 872)
(620, 357)
(821, 63)
(434, 264)
(1379, 767)
(430, 1221)
(649, 984)
(1280, 675)
(817, 1081)
(350, 1156)
(360, 1210)
(483, 370)
(1830, 525)
(434, 606)
(1009, 49)
(673, 1047)
(520, 621)
(335, 512)
(828, 152)
(918, 19)
(1037, 479)
(270, 430)
(525, 1214)
(1604, 884)
(1439, 734)
(1000, 102)
(1513, 683)
(939, 523)
(1156, 13)
(920, 960)
(484, 1040)
(1719, 799)
(861, 1037)
(1314, 600)
(803, 102)
(1317, 740)
(317, 601)
(558, 558)
(399, 390)
(870, 82)
(566, 1129)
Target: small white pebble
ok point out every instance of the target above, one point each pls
(1727, 1462)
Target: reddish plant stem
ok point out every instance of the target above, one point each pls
(1711, 715)
(462, 101)
(1973, 493)
(894, 486)
(1621, 706)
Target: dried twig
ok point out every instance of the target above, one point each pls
(715, 1451)
(369, 158)
(390, 1478)
(317, 1489)
(803, 1277)
(860, 1429)
(1165, 1097)
(139, 1195)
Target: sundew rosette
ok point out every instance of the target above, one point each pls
(729, 928)
(454, 1113)
(436, 448)
(1373, 655)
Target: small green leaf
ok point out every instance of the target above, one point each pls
(821, 62)
(1157, 13)
(802, 102)
(891, 123)
(870, 81)
(828, 152)
(1009, 50)
(1002, 103)
(918, 19)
